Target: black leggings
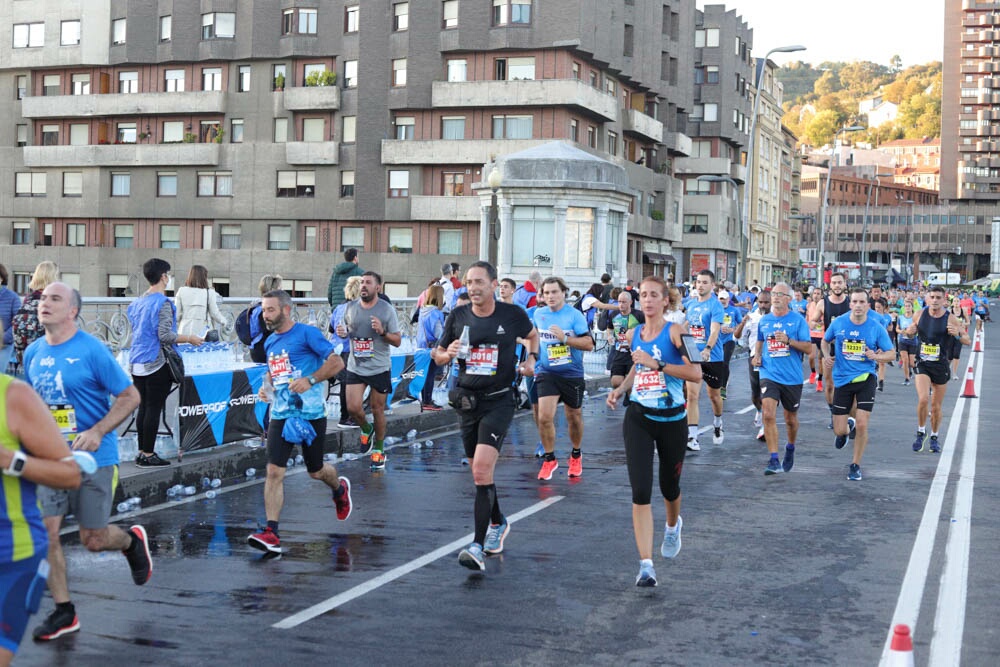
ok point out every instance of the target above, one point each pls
(153, 392)
(727, 355)
(427, 393)
(642, 436)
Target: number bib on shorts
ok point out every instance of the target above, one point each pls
(854, 350)
(930, 352)
(363, 348)
(482, 360)
(650, 385)
(698, 333)
(280, 368)
(65, 416)
(558, 355)
(776, 348)
(622, 345)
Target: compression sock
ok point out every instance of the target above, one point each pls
(485, 497)
(496, 516)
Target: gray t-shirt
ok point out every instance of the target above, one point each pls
(369, 351)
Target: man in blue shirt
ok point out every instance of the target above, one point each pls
(704, 317)
(856, 342)
(782, 339)
(731, 318)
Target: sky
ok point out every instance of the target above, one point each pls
(845, 30)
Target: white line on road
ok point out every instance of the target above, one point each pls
(397, 572)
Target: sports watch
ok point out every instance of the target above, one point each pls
(16, 465)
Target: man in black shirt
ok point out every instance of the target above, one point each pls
(483, 397)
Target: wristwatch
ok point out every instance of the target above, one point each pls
(312, 380)
(16, 466)
(660, 366)
(533, 354)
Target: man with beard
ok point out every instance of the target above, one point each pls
(299, 360)
(747, 332)
(372, 326)
(832, 307)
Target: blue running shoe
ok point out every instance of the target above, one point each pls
(672, 541)
(918, 444)
(647, 575)
(854, 473)
(472, 557)
(539, 451)
(935, 445)
(840, 441)
(852, 424)
(773, 467)
(789, 460)
(495, 534)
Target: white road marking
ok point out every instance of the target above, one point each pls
(397, 572)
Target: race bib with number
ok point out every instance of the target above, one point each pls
(622, 345)
(776, 348)
(698, 333)
(363, 348)
(650, 385)
(482, 360)
(280, 368)
(727, 321)
(854, 350)
(930, 352)
(65, 416)
(558, 355)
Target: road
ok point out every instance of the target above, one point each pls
(805, 568)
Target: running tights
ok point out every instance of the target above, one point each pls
(642, 437)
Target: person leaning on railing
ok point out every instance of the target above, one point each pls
(430, 325)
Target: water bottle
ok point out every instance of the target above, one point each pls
(390, 441)
(290, 463)
(299, 460)
(210, 494)
(134, 502)
(268, 388)
(190, 490)
(411, 434)
(415, 445)
(172, 492)
(251, 473)
(216, 483)
(123, 507)
(429, 443)
(463, 351)
(205, 482)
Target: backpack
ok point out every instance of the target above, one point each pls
(25, 326)
(590, 314)
(249, 324)
(604, 320)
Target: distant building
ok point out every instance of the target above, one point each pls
(878, 110)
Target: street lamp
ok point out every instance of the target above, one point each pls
(820, 262)
(493, 180)
(864, 227)
(741, 276)
(909, 238)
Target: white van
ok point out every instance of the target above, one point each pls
(944, 279)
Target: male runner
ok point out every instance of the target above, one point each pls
(563, 337)
(372, 326)
(482, 397)
(936, 329)
(981, 309)
(782, 339)
(705, 316)
(833, 306)
(624, 321)
(299, 360)
(815, 320)
(76, 374)
(507, 288)
(747, 333)
(731, 317)
(852, 346)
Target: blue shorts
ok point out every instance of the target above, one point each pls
(21, 587)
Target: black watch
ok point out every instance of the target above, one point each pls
(660, 366)
(533, 354)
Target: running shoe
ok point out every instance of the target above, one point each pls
(430, 407)
(139, 559)
(773, 467)
(881, 385)
(366, 436)
(852, 424)
(548, 467)
(918, 444)
(954, 378)
(266, 540)
(57, 624)
(854, 473)
(812, 378)
(539, 451)
(495, 535)
(789, 460)
(718, 436)
(347, 423)
(758, 420)
(343, 503)
(693, 445)
(840, 441)
(906, 382)
(647, 576)
(151, 461)
(819, 386)
(830, 425)
(378, 460)
(672, 541)
(575, 466)
(935, 445)
(760, 434)
(472, 557)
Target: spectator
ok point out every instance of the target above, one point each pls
(26, 326)
(630, 288)
(258, 331)
(456, 271)
(197, 304)
(338, 279)
(10, 302)
(448, 286)
(526, 295)
(352, 290)
(429, 328)
(507, 289)
(606, 288)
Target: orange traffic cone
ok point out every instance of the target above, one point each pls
(901, 649)
(979, 342)
(970, 384)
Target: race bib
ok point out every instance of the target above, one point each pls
(930, 352)
(727, 320)
(650, 385)
(698, 333)
(482, 360)
(776, 348)
(363, 348)
(854, 350)
(622, 341)
(558, 355)
(65, 416)
(280, 368)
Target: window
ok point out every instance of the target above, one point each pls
(50, 135)
(457, 69)
(236, 131)
(614, 236)
(610, 86)
(81, 84)
(21, 86)
(313, 68)
(592, 136)
(712, 74)
(574, 130)
(352, 237)
(21, 282)
(707, 37)
(211, 78)
(79, 134)
(76, 234)
(209, 131)
(124, 236)
(613, 143)
(229, 237)
(128, 82)
(449, 241)
(351, 15)
(348, 133)
(404, 127)
(276, 71)
(453, 127)
(121, 184)
(520, 68)
(350, 73)
(711, 112)
(511, 12)
(347, 183)
(22, 135)
(206, 237)
(166, 27)
(243, 79)
(512, 127)
(173, 81)
(401, 239)
(170, 236)
(309, 238)
(400, 16)
(299, 21)
(126, 133)
(29, 184)
(173, 131)
(627, 47)
(314, 129)
(453, 184)
(296, 184)
(701, 148)
(449, 14)
(579, 237)
(695, 224)
(29, 35)
(399, 183)
(399, 72)
(280, 130)
(218, 25)
(118, 31)
(693, 186)
(215, 184)
(69, 33)
(51, 84)
(21, 234)
(534, 229)
(279, 237)
(166, 184)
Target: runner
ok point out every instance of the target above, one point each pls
(563, 336)
(981, 310)
(299, 361)
(858, 343)
(815, 319)
(955, 356)
(624, 321)
(483, 336)
(882, 315)
(731, 317)
(746, 332)
(75, 374)
(372, 326)
(831, 307)
(705, 316)
(907, 344)
(937, 330)
(786, 335)
(655, 420)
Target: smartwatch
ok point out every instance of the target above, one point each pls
(533, 354)
(16, 466)
(660, 366)
(312, 380)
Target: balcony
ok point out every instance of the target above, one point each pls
(524, 93)
(466, 151)
(636, 122)
(716, 166)
(312, 98)
(738, 173)
(678, 143)
(123, 155)
(136, 104)
(448, 209)
(312, 152)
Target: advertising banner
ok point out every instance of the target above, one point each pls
(217, 408)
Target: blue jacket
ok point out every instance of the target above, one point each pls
(144, 315)
(9, 305)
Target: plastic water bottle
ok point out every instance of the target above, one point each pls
(299, 460)
(429, 443)
(251, 473)
(205, 482)
(134, 502)
(290, 463)
(216, 483)
(415, 445)
(390, 441)
(190, 490)
(463, 352)
(210, 494)
(172, 492)
(123, 507)
(411, 434)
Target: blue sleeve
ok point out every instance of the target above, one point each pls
(718, 314)
(111, 375)
(802, 330)
(580, 327)
(884, 342)
(318, 344)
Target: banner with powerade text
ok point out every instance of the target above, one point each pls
(219, 408)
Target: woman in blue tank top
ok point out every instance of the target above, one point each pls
(656, 420)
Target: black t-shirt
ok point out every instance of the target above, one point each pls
(493, 341)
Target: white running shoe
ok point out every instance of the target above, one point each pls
(718, 435)
(693, 445)
(760, 434)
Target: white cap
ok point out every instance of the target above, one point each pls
(723, 294)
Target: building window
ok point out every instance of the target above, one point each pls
(712, 74)
(710, 112)
(215, 184)
(612, 143)
(299, 289)
(351, 15)
(627, 45)
(457, 69)
(695, 224)
(614, 236)
(229, 237)
(453, 184)
(218, 25)
(280, 130)
(173, 81)
(314, 129)
(166, 184)
(51, 84)
(311, 69)
(350, 74)
(693, 186)
(405, 127)
(279, 237)
(347, 183)
(170, 236)
(124, 236)
(21, 234)
(277, 71)
(117, 284)
(449, 241)
(592, 136)
(243, 80)
(574, 130)
(128, 82)
(352, 237)
(76, 234)
(69, 33)
(610, 86)
(81, 84)
(173, 131)
(296, 184)
(534, 229)
(348, 130)
(449, 14)
(401, 239)
(126, 133)
(399, 72)
(21, 86)
(512, 127)
(29, 184)
(299, 21)
(121, 184)
(79, 134)
(236, 131)
(50, 135)
(309, 238)
(511, 12)
(707, 37)
(211, 78)
(400, 16)
(29, 35)
(118, 31)
(399, 183)
(579, 238)
(453, 127)
(520, 68)
(166, 27)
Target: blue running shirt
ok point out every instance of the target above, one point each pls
(700, 315)
(850, 342)
(555, 357)
(780, 362)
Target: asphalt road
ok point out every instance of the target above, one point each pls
(804, 568)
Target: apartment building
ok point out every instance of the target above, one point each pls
(253, 136)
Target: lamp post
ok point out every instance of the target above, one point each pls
(741, 276)
(826, 191)
(864, 226)
(493, 180)
(909, 238)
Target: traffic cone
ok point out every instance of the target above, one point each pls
(901, 649)
(979, 344)
(970, 384)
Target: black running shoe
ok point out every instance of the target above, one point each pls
(139, 559)
(56, 624)
(151, 461)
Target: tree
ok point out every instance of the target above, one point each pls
(821, 129)
(826, 84)
(896, 64)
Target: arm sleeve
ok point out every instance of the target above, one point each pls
(165, 329)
